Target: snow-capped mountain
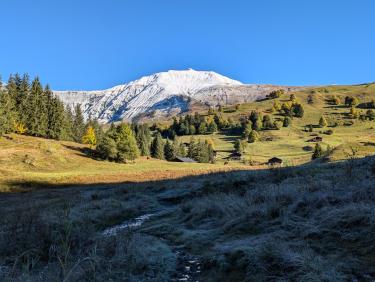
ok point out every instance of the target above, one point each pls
(162, 94)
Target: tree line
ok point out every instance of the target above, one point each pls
(124, 142)
(28, 107)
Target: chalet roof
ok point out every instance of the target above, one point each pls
(185, 160)
(315, 139)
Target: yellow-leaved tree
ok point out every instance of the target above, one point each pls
(89, 137)
(19, 128)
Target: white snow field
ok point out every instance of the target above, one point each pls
(162, 94)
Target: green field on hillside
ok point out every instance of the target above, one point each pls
(288, 143)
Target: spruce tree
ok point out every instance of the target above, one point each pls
(22, 99)
(67, 126)
(107, 148)
(55, 115)
(298, 110)
(267, 122)
(318, 152)
(157, 147)
(239, 146)
(212, 127)
(323, 122)
(287, 121)
(143, 137)
(253, 136)
(168, 151)
(192, 149)
(78, 124)
(126, 143)
(36, 110)
(7, 114)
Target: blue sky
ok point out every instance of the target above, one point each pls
(92, 44)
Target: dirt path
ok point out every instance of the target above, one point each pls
(188, 267)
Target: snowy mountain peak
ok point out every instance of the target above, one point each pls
(185, 80)
(161, 94)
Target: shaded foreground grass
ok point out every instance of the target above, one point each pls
(309, 223)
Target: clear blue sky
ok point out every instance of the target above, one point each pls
(95, 44)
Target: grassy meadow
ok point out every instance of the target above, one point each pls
(33, 162)
(288, 143)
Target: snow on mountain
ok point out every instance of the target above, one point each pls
(161, 94)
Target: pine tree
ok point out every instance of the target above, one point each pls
(202, 129)
(247, 129)
(157, 147)
(287, 121)
(267, 122)
(179, 149)
(78, 124)
(107, 148)
(7, 114)
(240, 146)
(323, 122)
(212, 127)
(353, 113)
(276, 106)
(298, 110)
(126, 143)
(89, 137)
(22, 99)
(99, 133)
(143, 142)
(168, 151)
(253, 137)
(192, 149)
(55, 115)
(67, 126)
(318, 152)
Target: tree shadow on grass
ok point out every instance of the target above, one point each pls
(83, 151)
(275, 174)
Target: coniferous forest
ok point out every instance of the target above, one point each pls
(27, 107)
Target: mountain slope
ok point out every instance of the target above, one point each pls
(162, 94)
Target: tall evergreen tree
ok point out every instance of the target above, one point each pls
(318, 152)
(36, 110)
(143, 136)
(7, 114)
(67, 130)
(55, 115)
(78, 124)
(323, 122)
(298, 110)
(253, 136)
(126, 143)
(168, 151)
(157, 147)
(99, 133)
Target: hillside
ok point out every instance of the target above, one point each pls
(289, 143)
